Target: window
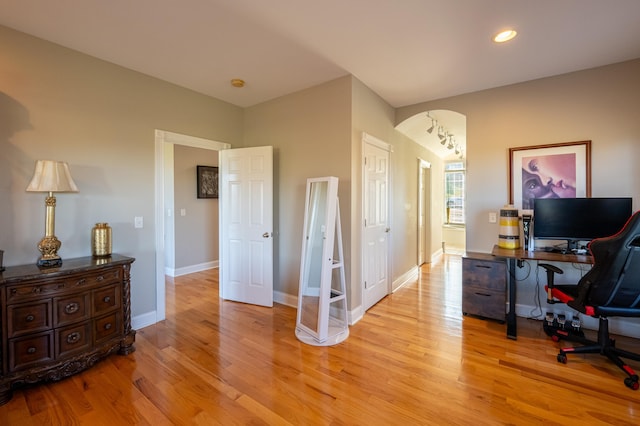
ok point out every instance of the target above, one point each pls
(454, 176)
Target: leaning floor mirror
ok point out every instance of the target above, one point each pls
(322, 303)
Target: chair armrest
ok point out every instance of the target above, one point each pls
(551, 271)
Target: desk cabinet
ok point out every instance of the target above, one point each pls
(56, 322)
(484, 284)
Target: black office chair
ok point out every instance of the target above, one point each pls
(610, 289)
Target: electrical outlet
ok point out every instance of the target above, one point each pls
(493, 218)
(138, 222)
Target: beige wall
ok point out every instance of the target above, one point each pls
(196, 233)
(59, 104)
(600, 105)
(310, 133)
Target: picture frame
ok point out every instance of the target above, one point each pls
(207, 181)
(559, 170)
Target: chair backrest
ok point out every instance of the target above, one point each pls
(614, 280)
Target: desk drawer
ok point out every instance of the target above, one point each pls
(487, 274)
(485, 303)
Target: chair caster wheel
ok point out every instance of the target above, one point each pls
(562, 358)
(631, 383)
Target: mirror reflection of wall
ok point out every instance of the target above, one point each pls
(315, 234)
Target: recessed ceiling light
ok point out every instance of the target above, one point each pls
(504, 36)
(237, 82)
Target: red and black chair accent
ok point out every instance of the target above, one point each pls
(610, 289)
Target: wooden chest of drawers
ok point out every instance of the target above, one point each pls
(484, 286)
(56, 322)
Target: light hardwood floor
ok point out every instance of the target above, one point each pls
(412, 360)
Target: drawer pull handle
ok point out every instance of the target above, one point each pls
(30, 318)
(483, 294)
(71, 308)
(107, 326)
(100, 278)
(73, 337)
(31, 350)
(483, 266)
(106, 299)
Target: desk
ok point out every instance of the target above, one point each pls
(511, 255)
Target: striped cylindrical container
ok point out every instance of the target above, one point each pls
(509, 234)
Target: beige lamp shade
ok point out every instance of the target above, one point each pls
(52, 176)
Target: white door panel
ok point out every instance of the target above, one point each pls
(376, 223)
(246, 225)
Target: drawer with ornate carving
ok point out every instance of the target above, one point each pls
(69, 309)
(28, 318)
(28, 351)
(106, 299)
(106, 327)
(34, 289)
(73, 339)
(55, 322)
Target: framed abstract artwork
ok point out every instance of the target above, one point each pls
(560, 170)
(207, 177)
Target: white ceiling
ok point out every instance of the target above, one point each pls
(407, 51)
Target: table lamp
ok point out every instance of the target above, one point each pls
(51, 176)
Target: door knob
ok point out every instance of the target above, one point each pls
(265, 235)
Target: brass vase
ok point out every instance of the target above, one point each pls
(101, 240)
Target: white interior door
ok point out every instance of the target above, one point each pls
(246, 225)
(376, 221)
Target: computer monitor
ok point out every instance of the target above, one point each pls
(578, 220)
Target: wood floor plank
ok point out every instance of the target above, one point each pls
(412, 359)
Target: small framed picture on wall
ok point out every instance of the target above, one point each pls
(207, 177)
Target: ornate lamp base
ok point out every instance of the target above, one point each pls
(49, 263)
(49, 247)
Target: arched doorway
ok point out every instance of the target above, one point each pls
(443, 132)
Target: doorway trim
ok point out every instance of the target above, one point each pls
(424, 211)
(164, 142)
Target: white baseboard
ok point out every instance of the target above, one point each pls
(144, 320)
(409, 276)
(191, 269)
(437, 255)
(285, 299)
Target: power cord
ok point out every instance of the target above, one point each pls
(536, 312)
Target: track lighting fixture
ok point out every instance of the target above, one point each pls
(450, 145)
(446, 139)
(434, 123)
